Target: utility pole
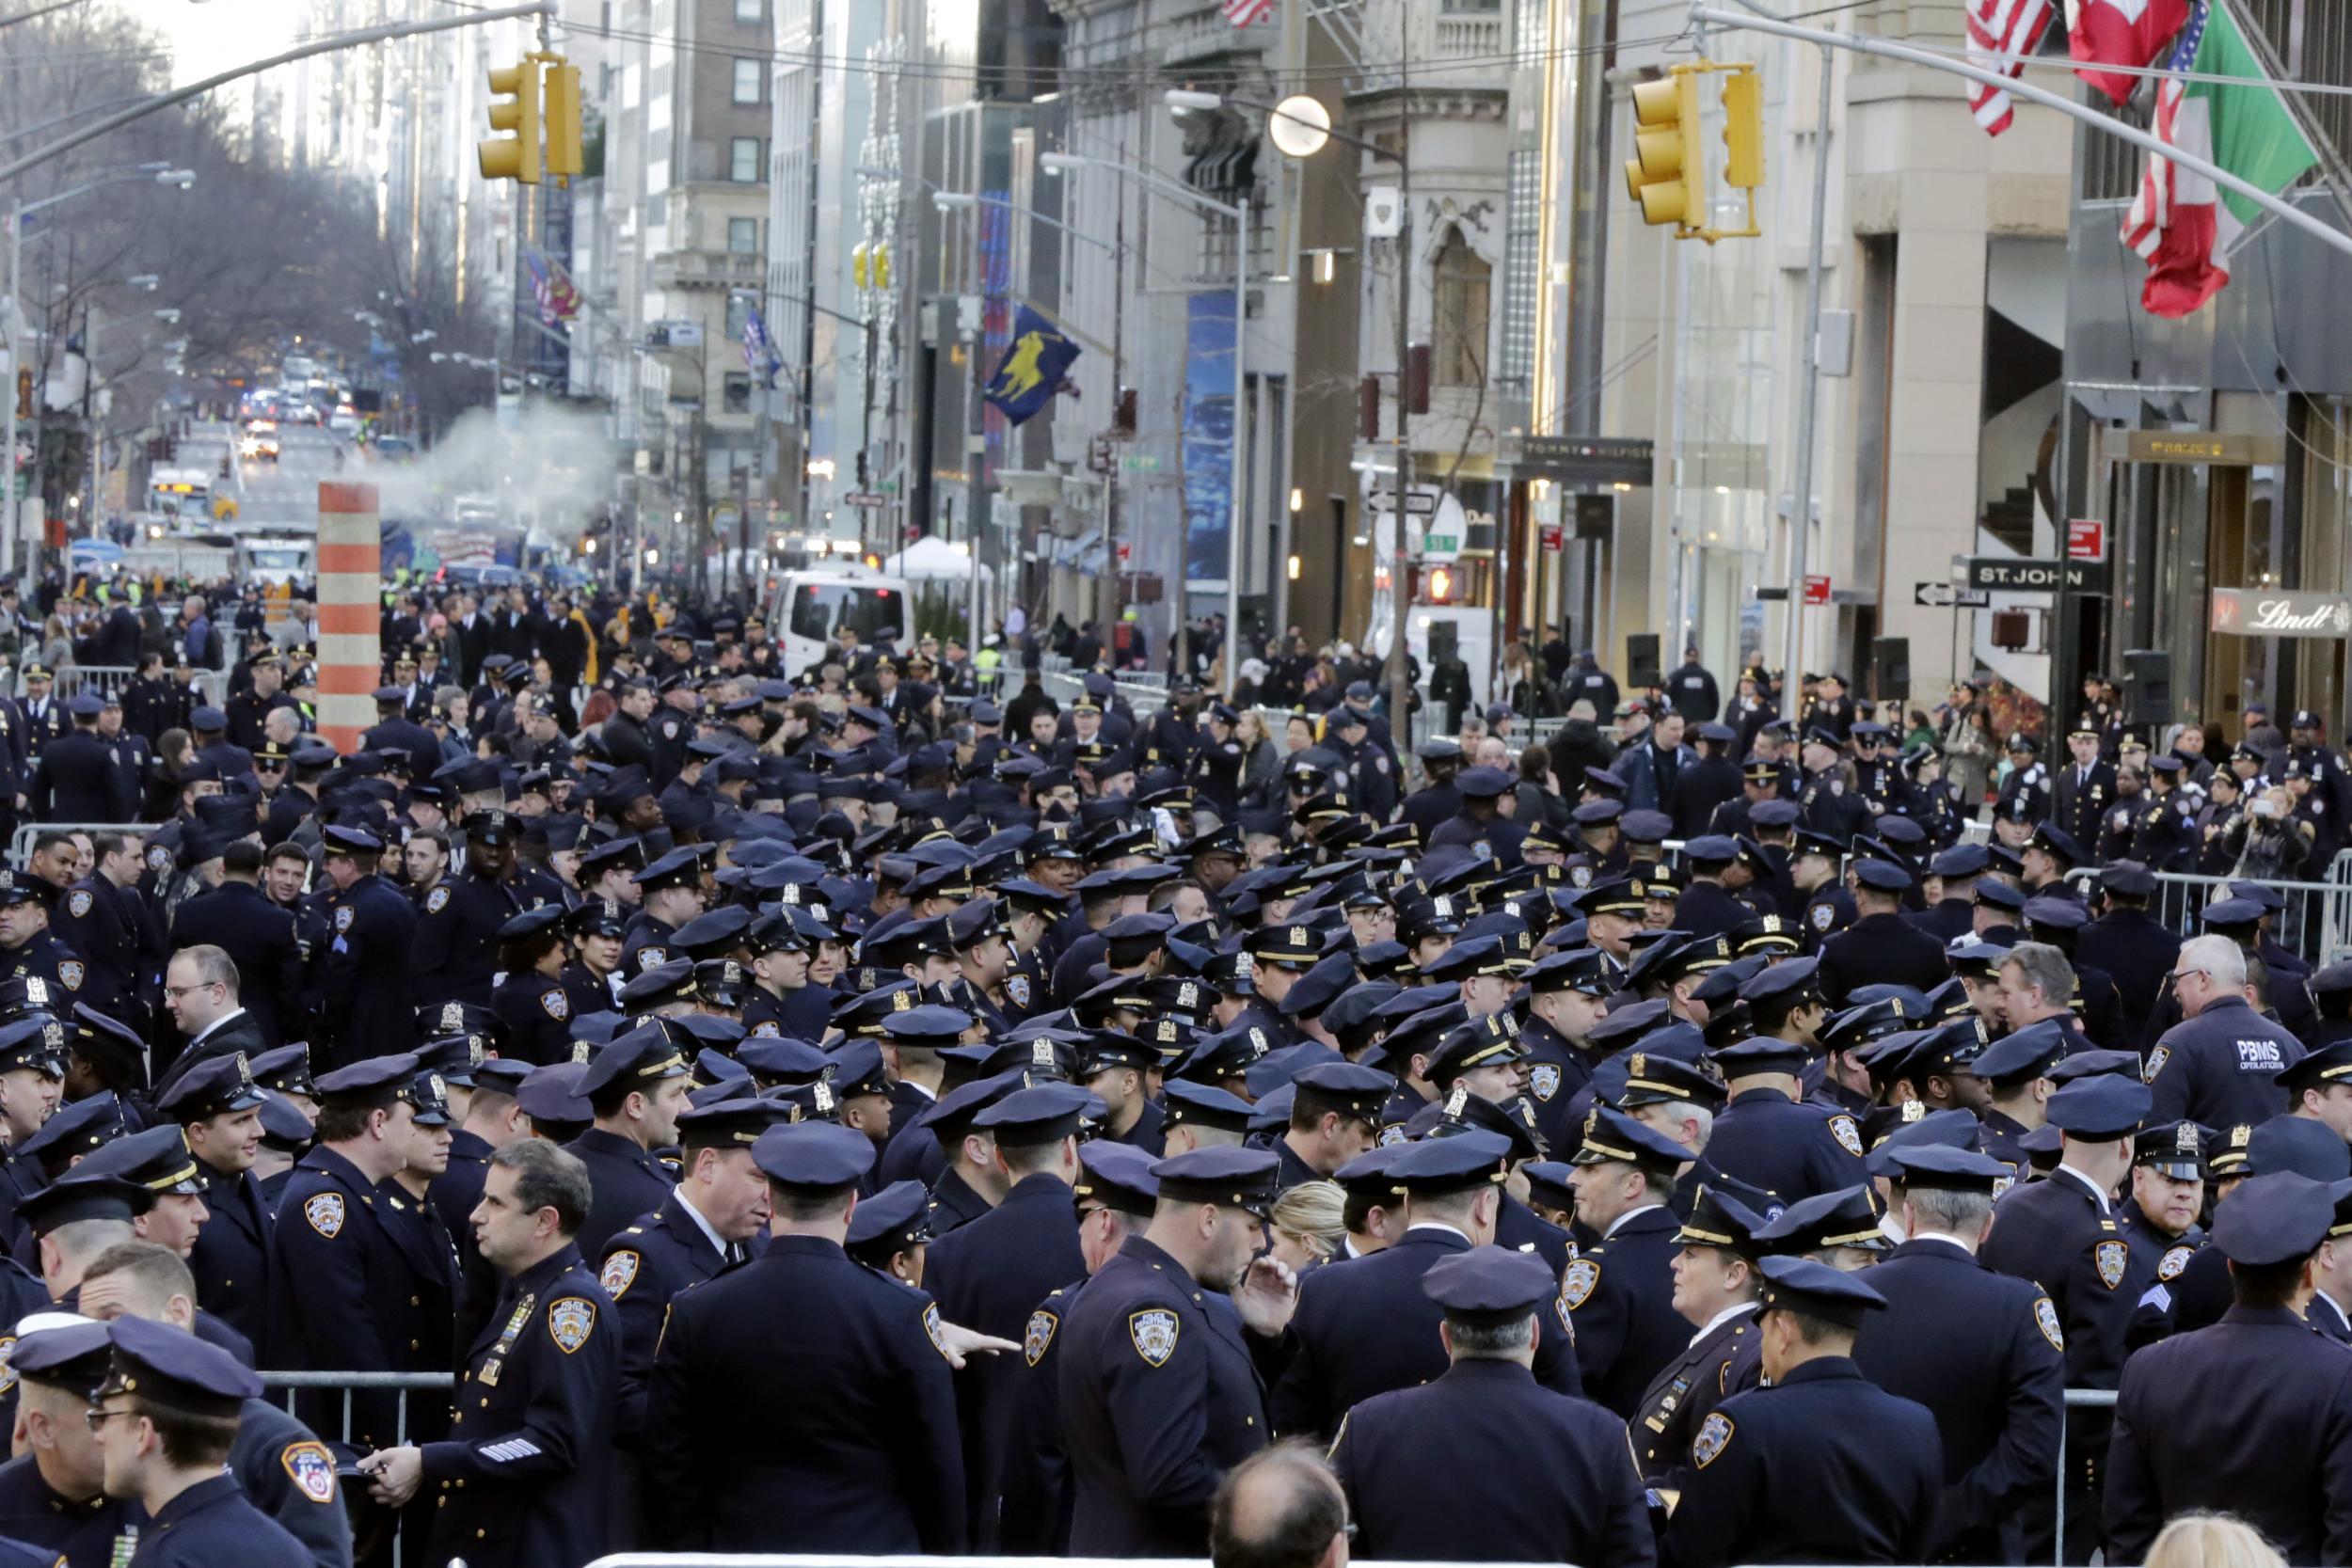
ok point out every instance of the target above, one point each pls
(1400, 498)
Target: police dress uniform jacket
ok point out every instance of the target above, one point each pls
(1982, 1351)
(96, 920)
(367, 1003)
(213, 1523)
(846, 1444)
(1877, 950)
(1149, 1133)
(1543, 1476)
(290, 1475)
(78, 775)
(525, 1475)
(230, 1260)
(1555, 1070)
(989, 1276)
(1706, 909)
(2080, 797)
(538, 1011)
(587, 991)
(1034, 1519)
(2252, 1418)
(627, 1180)
(455, 956)
(37, 1514)
(349, 1300)
(1791, 1151)
(644, 1267)
(1161, 1395)
(646, 946)
(1685, 1390)
(239, 918)
(2217, 1067)
(952, 1203)
(1821, 1467)
(43, 957)
(1367, 1328)
(1620, 1298)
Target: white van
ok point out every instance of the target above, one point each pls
(812, 602)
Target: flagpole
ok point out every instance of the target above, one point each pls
(2286, 212)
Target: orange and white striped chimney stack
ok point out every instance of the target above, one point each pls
(351, 616)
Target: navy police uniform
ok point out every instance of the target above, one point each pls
(1790, 1151)
(1620, 1298)
(2220, 1066)
(644, 1267)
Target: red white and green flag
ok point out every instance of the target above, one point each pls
(2182, 224)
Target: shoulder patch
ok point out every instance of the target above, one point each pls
(930, 1327)
(1038, 1337)
(343, 917)
(1849, 1136)
(1713, 1438)
(324, 1210)
(651, 957)
(2111, 1256)
(570, 1321)
(71, 972)
(2156, 1059)
(1017, 986)
(2045, 1318)
(435, 901)
(558, 1005)
(1822, 914)
(1544, 1078)
(79, 905)
(311, 1468)
(619, 1272)
(8, 1355)
(1576, 1286)
(2175, 1259)
(1155, 1334)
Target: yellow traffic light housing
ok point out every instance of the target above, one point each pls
(561, 97)
(881, 263)
(1667, 177)
(859, 276)
(515, 157)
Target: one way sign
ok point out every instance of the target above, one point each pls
(1942, 595)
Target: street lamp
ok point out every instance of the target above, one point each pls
(1062, 162)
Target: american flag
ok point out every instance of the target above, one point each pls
(2002, 34)
(759, 350)
(1241, 13)
(557, 299)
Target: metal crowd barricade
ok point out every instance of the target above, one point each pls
(106, 679)
(2316, 923)
(2076, 1399)
(21, 842)
(434, 1386)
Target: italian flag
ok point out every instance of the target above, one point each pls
(2182, 224)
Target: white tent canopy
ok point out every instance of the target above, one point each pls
(931, 559)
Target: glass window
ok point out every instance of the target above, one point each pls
(743, 236)
(738, 315)
(747, 79)
(738, 394)
(1463, 282)
(819, 607)
(744, 160)
(749, 11)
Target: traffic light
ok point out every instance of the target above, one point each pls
(1743, 128)
(515, 157)
(561, 97)
(881, 263)
(1667, 176)
(861, 273)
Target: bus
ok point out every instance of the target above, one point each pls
(185, 497)
(811, 603)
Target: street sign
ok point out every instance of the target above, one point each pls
(865, 498)
(1548, 535)
(1816, 590)
(2014, 574)
(1942, 595)
(2086, 539)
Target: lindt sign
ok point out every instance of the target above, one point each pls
(2270, 613)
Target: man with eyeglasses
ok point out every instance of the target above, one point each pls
(2221, 1064)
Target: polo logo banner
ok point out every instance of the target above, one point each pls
(1033, 369)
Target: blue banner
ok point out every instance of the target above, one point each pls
(1208, 435)
(1033, 367)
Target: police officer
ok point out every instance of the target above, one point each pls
(52, 1493)
(1620, 1289)
(395, 731)
(1372, 780)
(1160, 1395)
(366, 1002)
(1567, 990)
(1437, 801)
(1880, 947)
(2252, 1415)
(1366, 1330)
(672, 887)
(79, 777)
(636, 1086)
(869, 1460)
(598, 929)
(531, 998)
(525, 1475)
(456, 953)
(28, 951)
(198, 1514)
(2062, 1233)
(217, 1106)
(350, 1304)
(1216, 768)
(105, 925)
(1768, 1138)
(1716, 1290)
(1823, 1461)
(1550, 1477)
(1979, 1349)
(2221, 1065)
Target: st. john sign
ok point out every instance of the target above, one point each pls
(2270, 613)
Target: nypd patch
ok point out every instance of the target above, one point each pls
(71, 972)
(2175, 1259)
(1713, 1438)
(1576, 1286)
(570, 1321)
(1544, 1079)
(343, 917)
(1155, 1333)
(930, 1327)
(558, 1005)
(311, 1468)
(1017, 987)
(159, 859)
(2156, 1059)
(1038, 1338)
(1849, 1136)
(1820, 915)
(7, 1356)
(619, 1272)
(2110, 1258)
(651, 957)
(324, 1210)
(435, 901)
(2045, 1318)
(79, 905)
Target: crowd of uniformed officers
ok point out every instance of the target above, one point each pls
(805, 1117)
